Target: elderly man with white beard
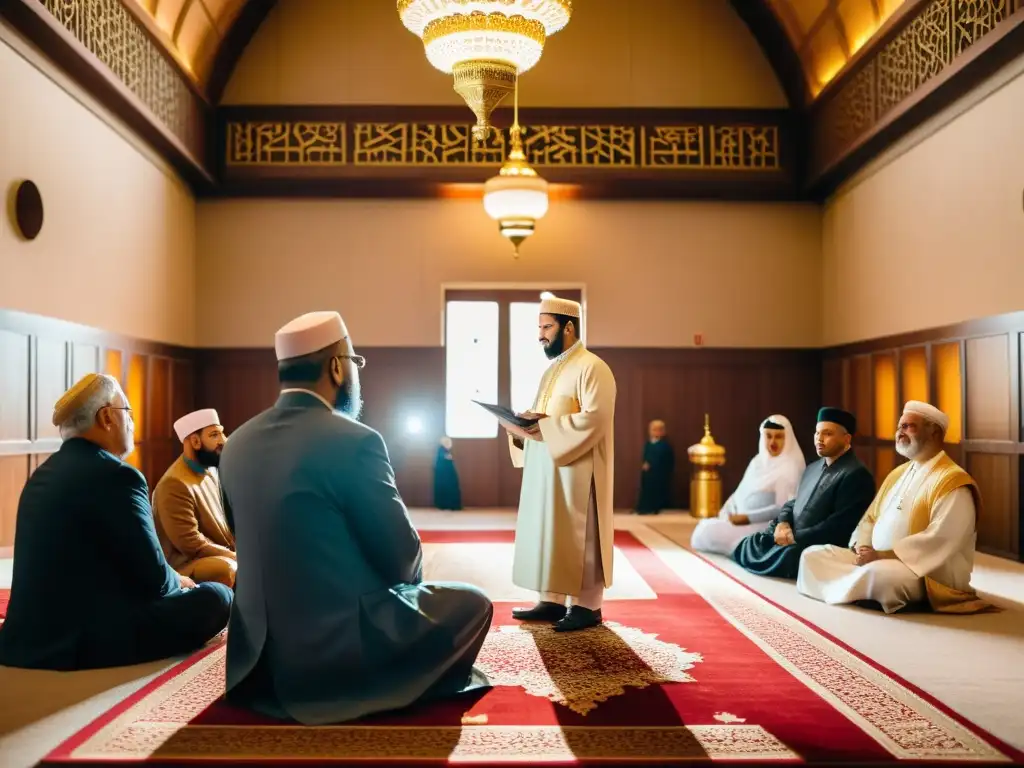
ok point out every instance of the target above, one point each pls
(915, 543)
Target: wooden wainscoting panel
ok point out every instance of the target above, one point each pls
(183, 389)
(998, 523)
(948, 387)
(15, 391)
(14, 471)
(738, 388)
(988, 388)
(51, 384)
(886, 460)
(832, 384)
(886, 407)
(866, 453)
(113, 364)
(85, 358)
(914, 375)
(159, 404)
(862, 388)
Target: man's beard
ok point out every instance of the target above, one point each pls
(908, 450)
(555, 347)
(349, 399)
(208, 458)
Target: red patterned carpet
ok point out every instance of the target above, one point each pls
(701, 668)
(5, 596)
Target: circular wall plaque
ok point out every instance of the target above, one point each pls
(28, 210)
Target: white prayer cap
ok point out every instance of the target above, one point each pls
(556, 306)
(193, 422)
(929, 412)
(309, 333)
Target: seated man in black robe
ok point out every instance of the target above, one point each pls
(91, 587)
(656, 472)
(833, 495)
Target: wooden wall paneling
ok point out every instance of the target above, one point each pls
(999, 522)
(886, 460)
(161, 445)
(914, 375)
(832, 384)
(15, 392)
(183, 390)
(947, 375)
(52, 367)
(14, 471)
(134, 384)
(988, 388)
(886, 388)
(85, 358)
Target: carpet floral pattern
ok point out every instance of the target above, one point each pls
(709, 670)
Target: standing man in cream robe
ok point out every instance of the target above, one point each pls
(915, 543)
(564, 530)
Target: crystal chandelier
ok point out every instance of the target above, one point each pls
(485, 44)
(517, 197)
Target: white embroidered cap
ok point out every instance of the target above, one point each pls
(309, 333)
(928, 411)
(557, 306)
(193, 422)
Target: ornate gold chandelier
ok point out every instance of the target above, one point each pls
(485, 44)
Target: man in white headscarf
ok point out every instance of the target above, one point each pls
(770, 481)
(915, 543)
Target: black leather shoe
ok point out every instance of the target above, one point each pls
(579, 618)
(542, 611)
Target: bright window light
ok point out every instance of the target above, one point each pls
(471, 367)
(527, 361)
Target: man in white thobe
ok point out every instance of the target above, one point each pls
(564, 530)
(915, 543)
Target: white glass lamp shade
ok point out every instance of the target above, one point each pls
(508, 198)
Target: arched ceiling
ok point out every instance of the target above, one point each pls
(207, 37)
(192, 31)
(826, 34)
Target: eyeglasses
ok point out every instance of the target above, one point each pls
(358, 360)
(130, 412)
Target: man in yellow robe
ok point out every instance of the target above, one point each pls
(188, 506)
(564, 530)
(915, 543)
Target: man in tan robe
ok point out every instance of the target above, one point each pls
(564, 530)
(915, 543)
(188, 505)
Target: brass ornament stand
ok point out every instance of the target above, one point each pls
(705, 483)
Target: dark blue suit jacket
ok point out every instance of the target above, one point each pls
(88, 560)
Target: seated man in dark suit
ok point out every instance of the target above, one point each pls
(91, 587)
(332, 619)
(833, 494)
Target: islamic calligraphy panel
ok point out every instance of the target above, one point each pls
(922, 50)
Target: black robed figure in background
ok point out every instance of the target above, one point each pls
(656, 473)
(834, 493)
(447, 492)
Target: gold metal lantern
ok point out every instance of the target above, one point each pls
(706, 484)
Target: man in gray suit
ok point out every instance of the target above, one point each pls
(332, 620)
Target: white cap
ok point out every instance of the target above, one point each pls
(929, 412)
(309, 333)
(557, 306)
(193, 422)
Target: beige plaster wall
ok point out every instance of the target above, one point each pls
(117, 248)
(655, 273)
(644, 53)
(933, 234)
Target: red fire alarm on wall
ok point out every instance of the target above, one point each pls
(698, 339)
